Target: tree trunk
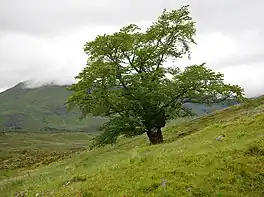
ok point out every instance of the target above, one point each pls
(154, 120)
(155, 135)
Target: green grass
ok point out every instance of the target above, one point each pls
(191, 162)
(22, 151)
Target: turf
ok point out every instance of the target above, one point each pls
(192, 162)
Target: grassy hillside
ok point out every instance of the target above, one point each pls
(221, 154)
(21, 150)
(41, 109)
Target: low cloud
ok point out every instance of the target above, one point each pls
(43, 41)
(45, 59)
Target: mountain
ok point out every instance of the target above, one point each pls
(42, 109)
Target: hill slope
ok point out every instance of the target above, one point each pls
(194, 161)
(42, 108)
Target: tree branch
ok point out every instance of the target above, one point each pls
(114, 60)
(174, 99)
(131, 62)
(166, 45)
(115, 108)
(184, 91)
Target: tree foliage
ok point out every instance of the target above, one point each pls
(126, 78)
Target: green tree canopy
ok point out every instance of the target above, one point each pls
(126, 78)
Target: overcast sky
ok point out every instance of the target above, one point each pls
(43, 39)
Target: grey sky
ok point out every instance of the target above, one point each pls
(43, 39)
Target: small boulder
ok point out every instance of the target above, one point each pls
(220, 137)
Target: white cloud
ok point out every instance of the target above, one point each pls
(38, 58)
(61, 58)
(2, 89)
(44, 59)
(248, 76)
(43, 40)
(229, 56)
(211, 48)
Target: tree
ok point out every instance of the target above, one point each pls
(127, 79)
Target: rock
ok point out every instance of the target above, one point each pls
(20, 194)
(67, 183)
(164, 182)
(220, 137)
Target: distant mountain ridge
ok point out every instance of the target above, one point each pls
(42, 109)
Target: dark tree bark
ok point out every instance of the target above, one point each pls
(155, 135)
(154, 124)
